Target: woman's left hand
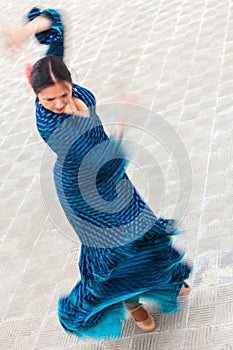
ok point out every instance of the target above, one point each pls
(119, 132)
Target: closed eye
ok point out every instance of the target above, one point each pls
(52, 99)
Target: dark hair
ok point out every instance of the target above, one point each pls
(48, 71)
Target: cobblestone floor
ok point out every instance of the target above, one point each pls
(174, 58)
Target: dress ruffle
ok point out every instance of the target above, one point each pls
(53, 37)
(148, 268)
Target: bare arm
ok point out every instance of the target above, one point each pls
(17, 36)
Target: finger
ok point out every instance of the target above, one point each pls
(9, 42)
(121, 130)
(5, 38)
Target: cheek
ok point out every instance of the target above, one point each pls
(47, 105)
(67, 99)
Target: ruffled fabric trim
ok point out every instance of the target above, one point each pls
(148, 267)
(53, 37)
(104, 325)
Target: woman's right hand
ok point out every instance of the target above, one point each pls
(15, 38)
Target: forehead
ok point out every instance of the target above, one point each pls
(55, 90)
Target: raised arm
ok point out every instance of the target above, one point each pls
(47, 27)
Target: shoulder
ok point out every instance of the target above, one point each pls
(84, 94)
(47, 121)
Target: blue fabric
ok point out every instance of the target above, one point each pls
(54, 36)
(126, 250)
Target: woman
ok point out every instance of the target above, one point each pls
(126, 251)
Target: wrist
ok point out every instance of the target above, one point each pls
(37, 25)
(29, 29)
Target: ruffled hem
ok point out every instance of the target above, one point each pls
(149, 268)
(108, 324)
(54, 36)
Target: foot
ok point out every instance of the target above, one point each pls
(143, 319)
(185, 289)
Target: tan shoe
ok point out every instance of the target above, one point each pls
(185, 289)
(143, 319)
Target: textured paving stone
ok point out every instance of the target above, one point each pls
(172, 57)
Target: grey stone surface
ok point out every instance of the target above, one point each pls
(170, 57)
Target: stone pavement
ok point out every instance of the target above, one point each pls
(174, 58)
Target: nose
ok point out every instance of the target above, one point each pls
(59, 104)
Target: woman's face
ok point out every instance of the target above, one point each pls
(56, 97)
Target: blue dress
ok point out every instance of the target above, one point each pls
(126, 250)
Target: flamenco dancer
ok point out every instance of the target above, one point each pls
(126, 251)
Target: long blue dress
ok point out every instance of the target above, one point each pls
(126, 250)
